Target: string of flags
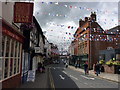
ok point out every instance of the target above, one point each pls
(74, 17)
(80, 8)
(92, 37)
(61, 25)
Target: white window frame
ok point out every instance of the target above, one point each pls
(9, 57)
(19, 49)
(4, 56)
(20, 57)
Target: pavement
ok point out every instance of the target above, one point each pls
(108, 76)
(41, 81)
(44, 80)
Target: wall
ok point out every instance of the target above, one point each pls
(9, 7)
(7, 83)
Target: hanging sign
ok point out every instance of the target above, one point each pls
(23, 12)
(38, 50)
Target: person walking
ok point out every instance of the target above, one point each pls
(97, 67)
(86, 68)
(66, 65)
(94, 68)
(40, 67)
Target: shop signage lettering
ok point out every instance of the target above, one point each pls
(7, 32)
(23, 12)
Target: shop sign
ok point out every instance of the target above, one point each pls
(23, 12)
(13, 35)
(31, 75)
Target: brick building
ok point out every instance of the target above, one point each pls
(90, 38)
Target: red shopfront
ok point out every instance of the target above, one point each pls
(11, 59)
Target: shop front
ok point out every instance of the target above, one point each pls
(11, 56)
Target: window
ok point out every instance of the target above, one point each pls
(0, 69)
(7, 57)
(11, 57)
(3, 44)
(15, 60)
(117, 56)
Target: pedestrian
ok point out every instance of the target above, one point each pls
(43, 68)
(40, 67)
(94, 68)
(76, 64)
(97, 68)
(86, 68)
(66, 65)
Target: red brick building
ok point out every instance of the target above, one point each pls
(90, 38)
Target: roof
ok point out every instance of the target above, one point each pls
(38, 28)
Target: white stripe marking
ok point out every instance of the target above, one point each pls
(88, 77)
(62, 77)
(64, 72)
(86, 83)
(74, 77)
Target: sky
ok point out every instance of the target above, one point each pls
(60, 20)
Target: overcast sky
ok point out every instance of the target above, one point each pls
(57, 18)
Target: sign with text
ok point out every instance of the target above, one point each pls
(23, 12)
(37, 50)
(11, 34)
(31, 75)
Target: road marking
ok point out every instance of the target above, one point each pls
(74, 77)
(62, 77)
(64, 72)
(51, 79)
(88, 77)
(92, 86)
(92, 78)
(86, 83)
(54, 68)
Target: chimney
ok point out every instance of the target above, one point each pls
(93, 16)
(81, 22)
(86, 19)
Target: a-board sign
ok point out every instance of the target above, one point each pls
(31, 75)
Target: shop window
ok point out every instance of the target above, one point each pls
(12, 48)
(14, 66)
(18, 59)
(0, 69)
(10, 60)
(3, 44)
(7, 47)
(15, 60)
(6, 68)
(117, 56)
(11, 64)
(112, 56)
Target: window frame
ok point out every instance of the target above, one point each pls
(10, 56)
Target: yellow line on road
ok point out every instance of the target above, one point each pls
(51, 80)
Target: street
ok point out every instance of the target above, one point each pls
(49, 44)
(68, 78)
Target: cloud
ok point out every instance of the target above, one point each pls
(51, 15)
